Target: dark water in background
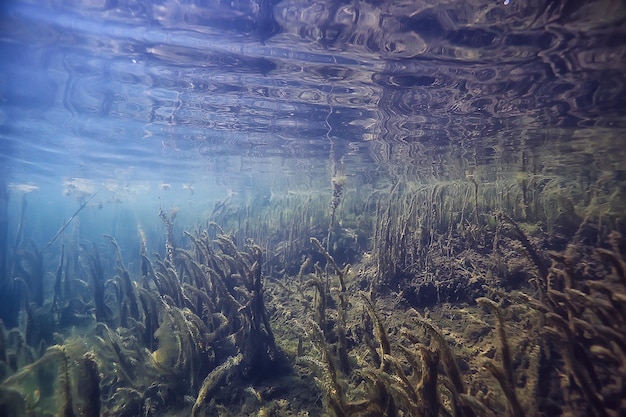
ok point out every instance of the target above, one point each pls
(141, 105)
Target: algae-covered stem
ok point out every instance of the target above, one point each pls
(337, 180)
(67, 223)
(333, 162)
(338, 183)
(4, 223)
(343, 301)
(169, 237)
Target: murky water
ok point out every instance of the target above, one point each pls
(448, 151)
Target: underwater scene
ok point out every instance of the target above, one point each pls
(403, 208)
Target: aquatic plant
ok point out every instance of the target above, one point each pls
(504, 374)
(338, 183)
(585, 316)
(389, 389)
(44, 385)
(205, 316)
(579, 298)
(337, 402)
(343, 306)
(214, 379)
(83, 204)
(192, 319)
(168, 220)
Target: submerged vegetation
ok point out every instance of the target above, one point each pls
(455, 298)
(113, 346)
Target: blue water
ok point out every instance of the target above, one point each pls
(137, 96)
(115, 109)
(166, 90)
